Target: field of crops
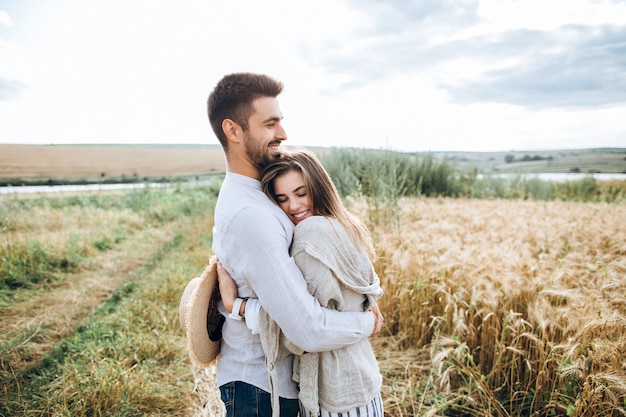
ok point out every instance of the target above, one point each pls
(492, 307)
(510, 308)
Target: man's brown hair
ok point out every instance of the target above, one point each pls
(232, 99)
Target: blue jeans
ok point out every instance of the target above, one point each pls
(245, 400)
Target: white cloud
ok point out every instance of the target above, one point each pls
(5, 19)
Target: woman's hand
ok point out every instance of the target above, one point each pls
(378, 320)
(228, 288)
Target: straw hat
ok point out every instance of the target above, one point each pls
(199, 318)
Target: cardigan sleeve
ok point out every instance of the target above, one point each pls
(320, 280)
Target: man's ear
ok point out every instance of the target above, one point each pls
(231, 130)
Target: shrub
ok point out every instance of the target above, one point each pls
(389, 174)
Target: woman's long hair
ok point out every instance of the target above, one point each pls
(325, 198)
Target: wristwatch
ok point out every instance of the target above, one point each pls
(235, 313)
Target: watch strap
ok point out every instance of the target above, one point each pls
(236, 306)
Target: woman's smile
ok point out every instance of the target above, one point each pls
(292, 196)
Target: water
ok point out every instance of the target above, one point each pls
(558, 177)
(561, 176)
(31, 189)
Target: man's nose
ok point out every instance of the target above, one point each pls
(281, 133)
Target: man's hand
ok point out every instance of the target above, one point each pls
(228, 288)
(378, 320)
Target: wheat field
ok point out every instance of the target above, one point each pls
(518, 307)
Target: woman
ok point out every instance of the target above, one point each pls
(334, 251)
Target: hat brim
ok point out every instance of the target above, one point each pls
(199, 316)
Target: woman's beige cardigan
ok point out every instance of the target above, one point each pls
(342, 277)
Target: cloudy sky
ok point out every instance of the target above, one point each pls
(482, 75)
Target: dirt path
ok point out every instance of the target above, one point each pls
(34, 326)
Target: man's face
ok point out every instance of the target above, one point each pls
(265, 132)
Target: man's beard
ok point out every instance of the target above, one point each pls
(258, 154)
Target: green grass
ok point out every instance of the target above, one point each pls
(126, 356)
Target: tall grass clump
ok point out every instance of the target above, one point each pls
(384, 176)
(24, 264)
(389, 174)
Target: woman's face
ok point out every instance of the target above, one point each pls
(292, 196)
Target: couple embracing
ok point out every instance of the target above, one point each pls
(295, 271)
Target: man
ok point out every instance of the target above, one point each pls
(251, 238)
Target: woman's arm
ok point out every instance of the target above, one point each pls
(228, 289)
(249, 309)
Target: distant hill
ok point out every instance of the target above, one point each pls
(595, 160)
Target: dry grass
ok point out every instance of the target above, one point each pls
(499, 308)
(521, 306)
(207, 402)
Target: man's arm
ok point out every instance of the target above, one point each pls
(251, 308)
(256, 254)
